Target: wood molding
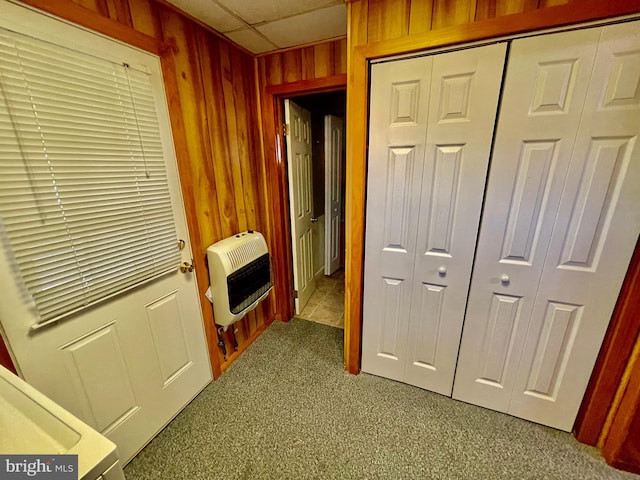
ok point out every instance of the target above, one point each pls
(72, 12)
(357, 95)
(621, 448)
(274, 159)
(306, 87)
(613, 359)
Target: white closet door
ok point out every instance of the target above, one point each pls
(597, 226)
(430, 136)
(465, 86)
(544, 92)
(397, 132)
(559, 228)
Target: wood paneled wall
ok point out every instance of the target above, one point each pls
(311, 69)
(211, 90)
(307, 63)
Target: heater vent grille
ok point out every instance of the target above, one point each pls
(245, 253)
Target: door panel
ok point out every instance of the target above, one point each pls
(334, 134)
(96, 360)
(464, 96)
(301, 200)
(544, 92)
(430, 135)
(596, 229)
(397, 129)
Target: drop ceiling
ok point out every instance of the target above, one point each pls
(265, 25)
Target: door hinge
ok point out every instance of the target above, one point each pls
(295, 293)
(286, 129)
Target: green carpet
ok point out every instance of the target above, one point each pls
(287, 410)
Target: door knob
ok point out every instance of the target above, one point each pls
(442, 270)
(505, 278)
(186, 267)
(314, 219)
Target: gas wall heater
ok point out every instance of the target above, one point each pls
(240, 275)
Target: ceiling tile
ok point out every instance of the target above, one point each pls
(254, 12)
(308, 27)
(210, 13)
(251, 41)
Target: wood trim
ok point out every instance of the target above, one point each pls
(72, 12)
(621, 449)
(276, 169)
(186, 184)
(612, 361)
(246, 343)
(306, 87)
(356, 174)
(357, 95)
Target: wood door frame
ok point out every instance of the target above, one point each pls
(272, 115)
(357, 101)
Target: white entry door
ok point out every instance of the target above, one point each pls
(430, 137)
(129, 364)
(299, 168)
(560, 223)
(333, 164)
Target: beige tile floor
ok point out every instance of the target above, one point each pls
(326, 305)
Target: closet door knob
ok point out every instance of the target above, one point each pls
(505, 278)
(442, 270)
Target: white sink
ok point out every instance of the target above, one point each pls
(31, 423)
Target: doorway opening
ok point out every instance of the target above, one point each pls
(316, 177)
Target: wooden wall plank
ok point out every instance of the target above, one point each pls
(553, 3)
(98, 6)
(323, 55)
(119, 11)
(396, 18)
(498, 8)
(292, 64)
(340, 56)
(420, 16)
(447, 13)
(357, 24)
(309, 63)
(274, 69)
(144, 17)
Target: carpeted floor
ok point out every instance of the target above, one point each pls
(287, 410)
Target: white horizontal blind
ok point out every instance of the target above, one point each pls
(83, 189)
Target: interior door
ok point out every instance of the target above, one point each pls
(299, 167)
(465, 86)
(397, 135)
(333, 148)
(125, 366)
(560, 224)
(430, 136)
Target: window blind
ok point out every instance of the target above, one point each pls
(84, 196)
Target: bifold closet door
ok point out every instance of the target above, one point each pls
(431, 125)
(560, 223)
